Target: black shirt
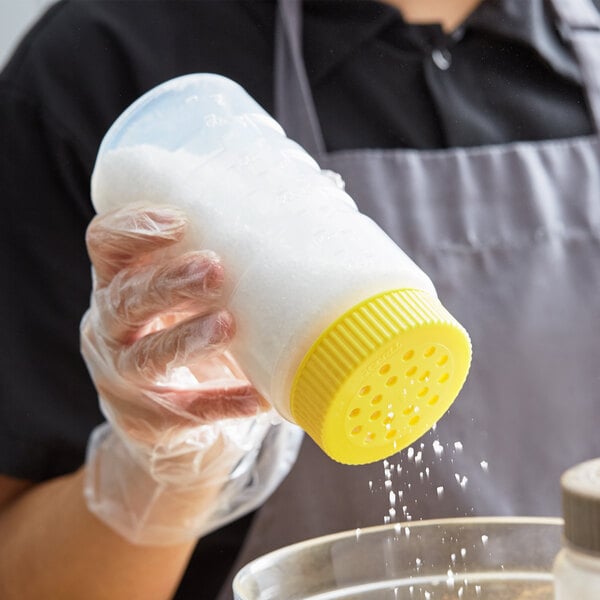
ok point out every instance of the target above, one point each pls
(504, 75)
(383, 83)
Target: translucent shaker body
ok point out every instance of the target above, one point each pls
(576, 576)
(300, 259)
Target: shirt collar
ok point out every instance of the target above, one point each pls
(532, 23)
(334, 29)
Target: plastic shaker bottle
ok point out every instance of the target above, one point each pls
(577, 566)
(335, 325)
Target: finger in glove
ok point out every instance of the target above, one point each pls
(153, 358)
(187, 285)
(127, 236)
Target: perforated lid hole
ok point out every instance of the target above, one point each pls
(443, 360)
(391, 381)
(364, 390)
(408, 355)
(433, 400)
(414, 420)
(391, 434)
(376, 399)
(430, 352)
(384, 369)
(356, 430)
(444, 378)
(355, 413)
(376, 415)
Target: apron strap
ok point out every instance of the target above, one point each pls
(294, 106)
(580, 25)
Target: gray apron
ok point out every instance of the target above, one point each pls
(510, 236)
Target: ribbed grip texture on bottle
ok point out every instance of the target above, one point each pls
(357, 358)
(581, 505)
(354, 338)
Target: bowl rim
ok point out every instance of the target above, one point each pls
(285, 551)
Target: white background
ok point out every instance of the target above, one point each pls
(16, 16)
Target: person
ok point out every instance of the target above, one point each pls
(468, 130)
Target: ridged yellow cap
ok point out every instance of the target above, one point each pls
(380, 376)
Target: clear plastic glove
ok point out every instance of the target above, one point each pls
(189, 444)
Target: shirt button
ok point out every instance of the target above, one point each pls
(458, 34)
(442, 58)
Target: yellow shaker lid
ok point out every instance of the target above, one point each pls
(380, 376)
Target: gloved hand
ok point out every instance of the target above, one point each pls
(184, 448)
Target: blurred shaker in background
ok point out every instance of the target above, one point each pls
(577, 566)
